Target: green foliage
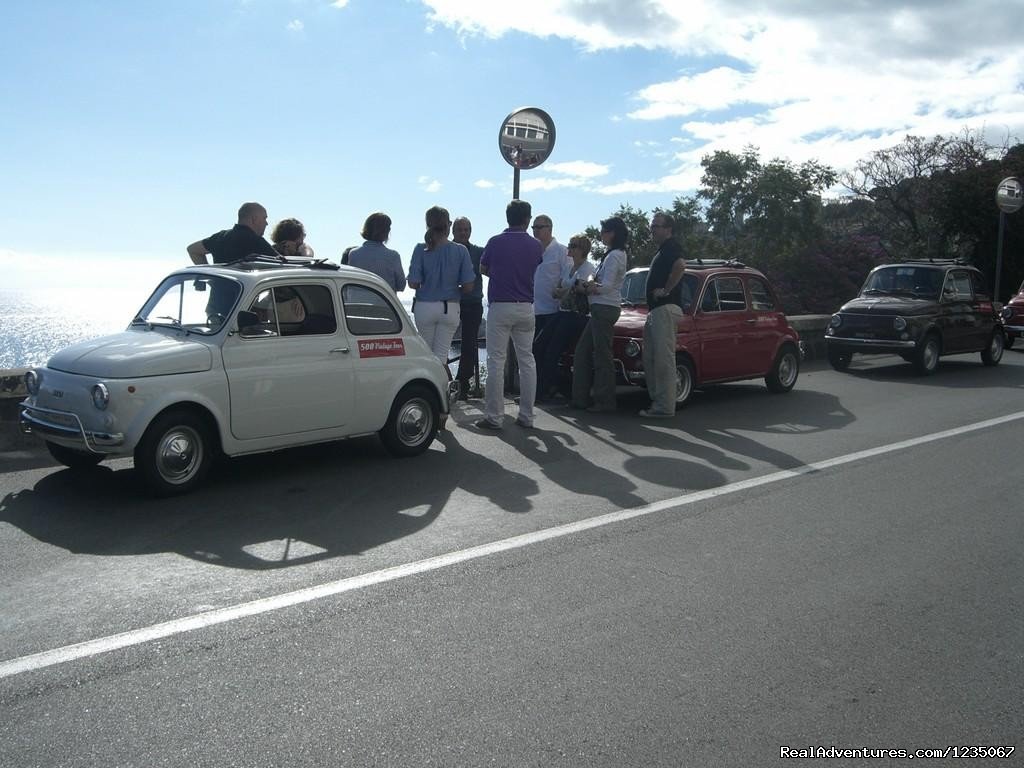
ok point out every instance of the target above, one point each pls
(924, 198)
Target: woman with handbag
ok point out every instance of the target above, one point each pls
(564, 328)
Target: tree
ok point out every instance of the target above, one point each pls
(640, 249)
(896, 179)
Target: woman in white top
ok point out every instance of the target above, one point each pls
(593, 375)
(561, 332)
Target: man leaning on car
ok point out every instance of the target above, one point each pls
(665, 308)
(238, 242)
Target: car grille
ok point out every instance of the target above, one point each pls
(866, 327)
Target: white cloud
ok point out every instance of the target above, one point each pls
(483, 184)
(295, 25)
(546, 183)
(339, 3)
(428, 184)
(801, 79)
(578, 168)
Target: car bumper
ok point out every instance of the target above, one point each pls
(881, 345)
(66, 429)
(1014, 328)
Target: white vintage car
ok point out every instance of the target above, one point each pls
(242, 358)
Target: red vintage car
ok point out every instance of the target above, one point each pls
(1013, 317)
(732, 329)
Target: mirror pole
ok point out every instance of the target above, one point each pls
(999, 256)
(515, 183)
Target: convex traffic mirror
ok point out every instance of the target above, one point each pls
(1009, 195)
(526, 138)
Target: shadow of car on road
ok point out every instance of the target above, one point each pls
(263, 512)
(956, 372)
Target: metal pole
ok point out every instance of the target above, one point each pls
(999, 256)
(515, 183)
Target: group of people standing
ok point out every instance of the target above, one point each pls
(541, 297)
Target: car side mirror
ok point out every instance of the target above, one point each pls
(247, 319)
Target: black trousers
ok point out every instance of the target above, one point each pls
(472, 312)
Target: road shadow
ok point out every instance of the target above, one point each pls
(954, 372)
(558, 457)
(713, 429)
(268, 511)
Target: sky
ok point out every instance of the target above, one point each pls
(131, 129)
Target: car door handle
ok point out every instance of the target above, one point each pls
(343, 350)
(751, 321)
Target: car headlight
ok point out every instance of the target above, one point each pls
(1006, 312)
(899, 324)
(100, 396)
(632, 348)
(33, 381)
(836, 320)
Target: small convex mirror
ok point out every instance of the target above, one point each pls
(526, 138)
(1009, 195)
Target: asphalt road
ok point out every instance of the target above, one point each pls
(839, 566)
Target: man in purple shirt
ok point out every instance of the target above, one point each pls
(509, 261)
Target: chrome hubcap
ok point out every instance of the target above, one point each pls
(684, 383)
(787, 370)
(931, 355)
(414, 422)
(179, 454)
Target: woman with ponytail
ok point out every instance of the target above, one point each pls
(440, 272)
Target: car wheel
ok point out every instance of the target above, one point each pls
(993, 353)
(784, 372)
(839, 358)
(412, 423)
(926, 356)
(684, 381)
(1010, 339)
(175, 453)
(73, 458)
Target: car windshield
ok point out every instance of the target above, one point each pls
(634, 290)
(904, 280)
(195, 303)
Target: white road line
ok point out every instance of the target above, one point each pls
(222, 615)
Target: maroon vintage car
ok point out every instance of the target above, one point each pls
(1013, 317)
(732, 329)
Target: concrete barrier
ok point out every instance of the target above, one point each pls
(12, 392)
(812, 332)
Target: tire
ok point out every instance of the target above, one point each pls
(839, 358)
(1010, 339)
(175, 453)
(685, 378)
(785, 371)
(412, 423)
(73, 458)
(993, 353)
(926, 356)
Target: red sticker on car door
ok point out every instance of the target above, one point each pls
(381, 348)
